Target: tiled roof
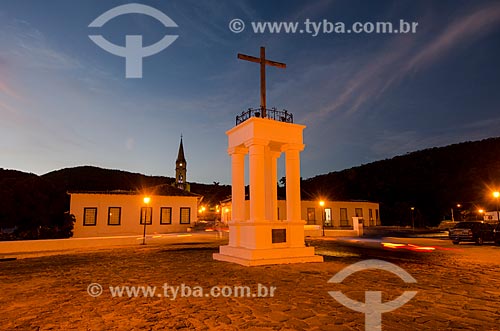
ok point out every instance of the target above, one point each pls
(163, 190)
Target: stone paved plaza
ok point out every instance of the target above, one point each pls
(50, 293)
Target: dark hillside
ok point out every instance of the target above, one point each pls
(432, 180)
(99, 179)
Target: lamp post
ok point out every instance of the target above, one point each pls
(481, 212)
(496, 195)
(322, 204)
(412, 218)
(146, 202)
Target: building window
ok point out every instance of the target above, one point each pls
(358, 212)
(147, 215)
(377, 216)
(311, 216)
(328, 216)
(185, 215)
(114, 215)
(344, 221)
(370, 216)
(89, 216)
(166, 215)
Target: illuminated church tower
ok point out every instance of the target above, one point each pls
(181, 169)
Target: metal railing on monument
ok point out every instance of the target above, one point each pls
(273, 114)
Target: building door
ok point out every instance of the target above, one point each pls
(328, 216)
(311, 216)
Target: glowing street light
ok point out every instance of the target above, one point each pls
(412, 218)
(146, 200)
(452, 217)
(322, 204)
(496, 195)
(481, 212)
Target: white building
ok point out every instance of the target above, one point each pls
(491, 216)
(336, 214)
(120, 213)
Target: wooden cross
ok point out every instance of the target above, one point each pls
(263, 62)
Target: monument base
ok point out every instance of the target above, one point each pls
(254, 257)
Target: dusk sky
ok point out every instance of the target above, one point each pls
(65, 102)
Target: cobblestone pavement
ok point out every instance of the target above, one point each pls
(50, 293)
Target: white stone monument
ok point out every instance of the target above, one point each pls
(264, 135)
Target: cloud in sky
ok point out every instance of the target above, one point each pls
(402, 56)
(463, 30)
(7, 90)
(130, 143)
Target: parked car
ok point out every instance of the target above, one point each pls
(472, 231)
(496, 234)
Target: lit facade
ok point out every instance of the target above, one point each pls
(337, 214)
(123, 213)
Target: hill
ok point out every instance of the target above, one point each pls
(432, 180)
(89, 178)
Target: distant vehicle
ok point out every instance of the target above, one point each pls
(496, 234)
(472, 231)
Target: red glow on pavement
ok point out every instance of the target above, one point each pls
(410, 247)
(393, 245)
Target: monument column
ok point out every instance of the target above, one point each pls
(238, 183)
(256, 151)
(292, 163)
(271, 184)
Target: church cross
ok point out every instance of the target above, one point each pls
(263, 62)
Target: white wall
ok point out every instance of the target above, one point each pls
(334, 205)
(130, 213)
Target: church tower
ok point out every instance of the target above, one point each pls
(181, 169)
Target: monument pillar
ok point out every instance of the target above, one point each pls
(237, 193)
(257, 148)
(292, 163)
(271, 180)
(238, 183)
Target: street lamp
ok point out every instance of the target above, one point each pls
(496, 195)
(412, 218)
(146, 202)
(453, 218)
(322, 204)
(481, 212)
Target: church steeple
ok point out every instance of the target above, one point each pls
(180, 168)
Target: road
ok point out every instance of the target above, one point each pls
(457, 288)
